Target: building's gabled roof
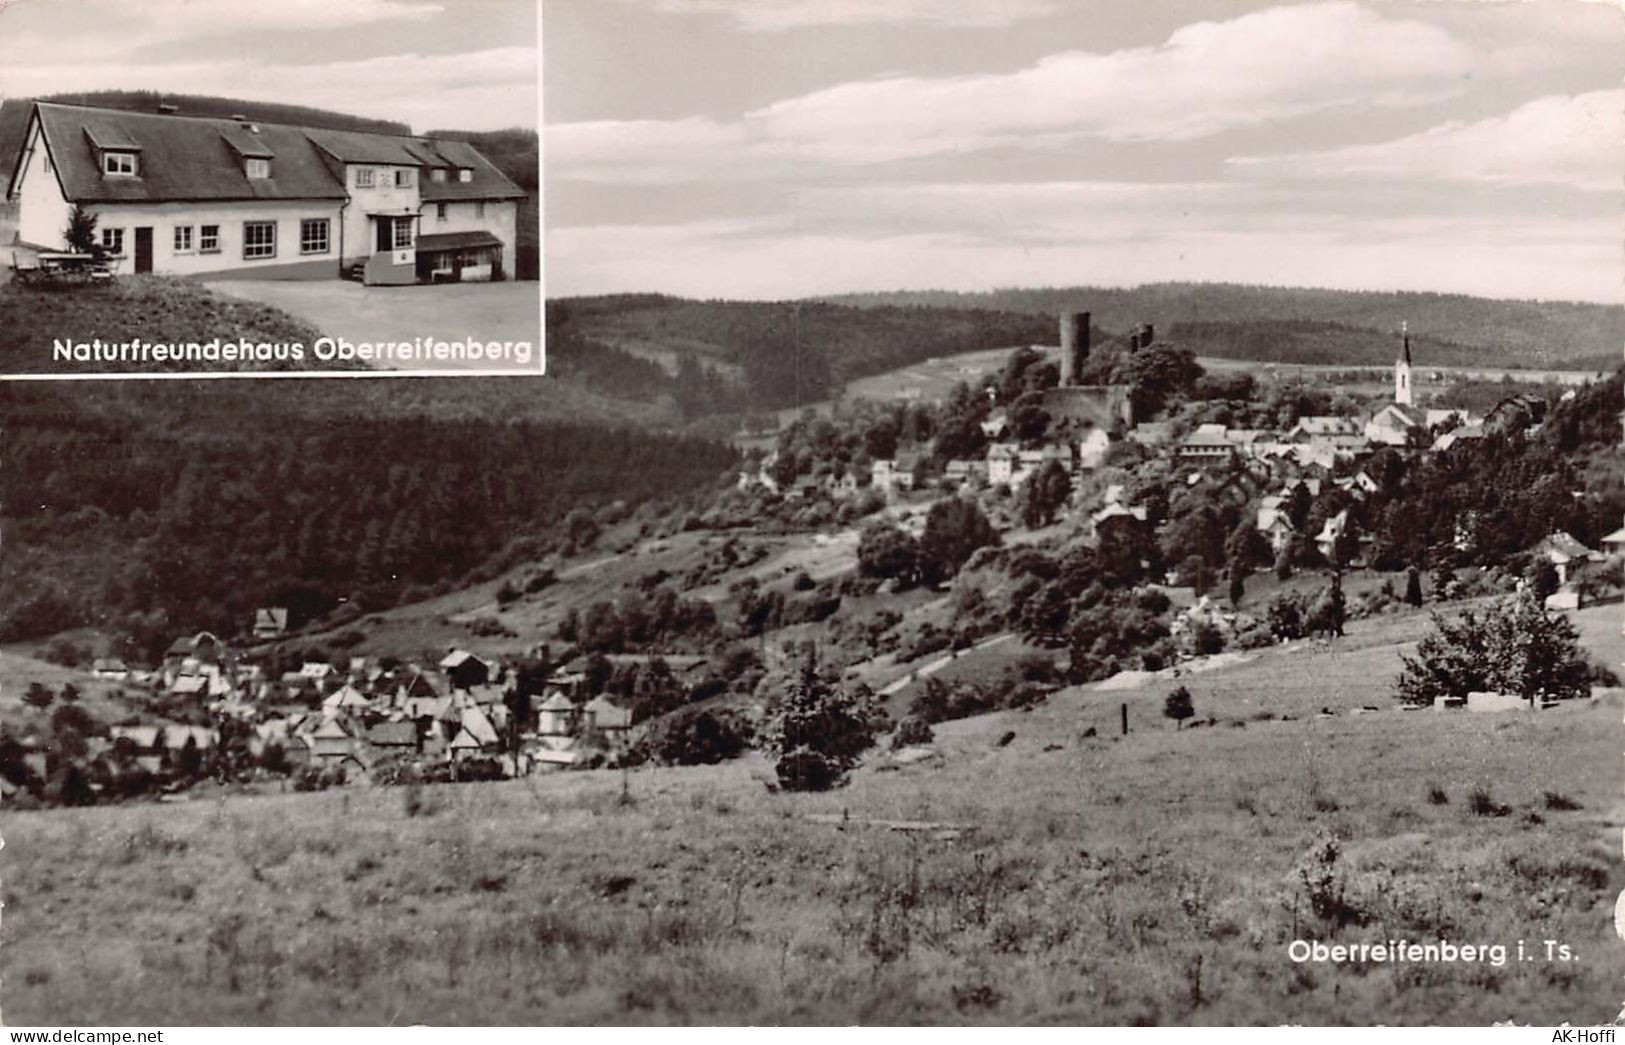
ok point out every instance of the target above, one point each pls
(1617, 537)
(193, 158)
(558, 702)
(182, 158)
(393, 734)
(488, 182)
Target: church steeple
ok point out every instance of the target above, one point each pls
(1402, 368)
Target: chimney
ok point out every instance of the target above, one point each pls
(167, 109)
(1074, 346)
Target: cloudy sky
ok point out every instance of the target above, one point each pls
(780, 148)
(448, 64)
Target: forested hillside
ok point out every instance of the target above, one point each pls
(144, 509)
(1290, 320)
(752, 354)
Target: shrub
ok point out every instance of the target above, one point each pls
(695, 737)
(1208, 639)
(912, 731)
(818, 730)
(1179, 706)
(1482, 804)
(1514, 646)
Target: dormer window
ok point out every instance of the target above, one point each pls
(258, 168)
(403, 178)
(465, 173)
(438, 174)
(363, 177)
(120, 163)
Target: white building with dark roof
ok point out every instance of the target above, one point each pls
(191, 195)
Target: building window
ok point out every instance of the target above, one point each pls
(259, 168)
(440, 212)
(313, 237)
(403, 233)
(113, 241)
(47, 158)
(183, 239)
(403, 179)
(438, 174)
(465, 173)
(119, 163)
(259, 239)
(479, 209)
(208, 239)
(363, 177)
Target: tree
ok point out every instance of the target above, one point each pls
(1543, 578)
(1179, 706)
(1238, 586)
(81, 231)
(1413, 586)
(817, 730)
(887, 551)
(955, 529)
(38, 696)
(1512, 646)
(1045, 492)
(69, 693)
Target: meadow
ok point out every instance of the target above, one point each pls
(1050, 876)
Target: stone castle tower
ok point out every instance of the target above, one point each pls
(1402, 369)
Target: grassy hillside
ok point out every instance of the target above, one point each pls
(1062, 878)
(1234, 318)
(152, 308)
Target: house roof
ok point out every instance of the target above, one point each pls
(140, 736)
(458, 657)
(393, 734)
(1410, 416)
(1565, 545)
(438, 241)
(557, 702)
(606, 714)
(200, 158)
(478, 726)
(182, 158)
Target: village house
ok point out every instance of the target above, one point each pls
(464, 669)
(1207, 446)
(238, 198)
(270, 622)
(1393, 425)
(1565, 553)
(604, 716)
(1002, 461)
(110, 668)
(896, 473)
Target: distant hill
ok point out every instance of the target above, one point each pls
(14, 115)
(1293, 324)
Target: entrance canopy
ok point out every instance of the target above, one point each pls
(441, 241)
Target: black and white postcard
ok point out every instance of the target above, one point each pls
(811, 512)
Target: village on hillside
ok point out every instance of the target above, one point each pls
(1060, 451)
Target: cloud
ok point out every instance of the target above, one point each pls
(1206, 78)
(1572, 140)
(782, 15)
(113, 28)
(483, 90)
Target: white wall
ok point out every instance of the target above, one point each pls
(384, 197)
(163, 217)
(501, 220)
(42, 211)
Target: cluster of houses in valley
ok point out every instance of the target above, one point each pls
(463, 707)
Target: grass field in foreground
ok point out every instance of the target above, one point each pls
(1153, 878)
